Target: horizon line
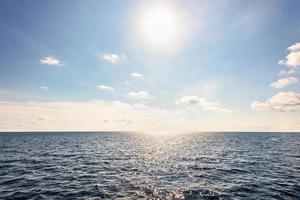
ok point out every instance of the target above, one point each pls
(109, 131)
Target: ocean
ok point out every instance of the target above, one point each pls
(111, 165)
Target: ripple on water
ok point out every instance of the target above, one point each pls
(132, 166)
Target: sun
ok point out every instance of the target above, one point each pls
(159, 26)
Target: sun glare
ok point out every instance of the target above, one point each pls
(160, 27)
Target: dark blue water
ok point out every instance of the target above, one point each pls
(135, 166)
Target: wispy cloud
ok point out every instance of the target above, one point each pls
(44, 118)
(50, 60)
(117, 115)
(111, 57)
(142, 95)
(255, 16)
(44, 88)
(294, 47)
(90, 115)
(287, 72)
(137, 75)
(202, 103)
(281, 83)
(83, 83)
(283, 101)
(105, 88)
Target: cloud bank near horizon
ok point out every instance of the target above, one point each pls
(120, 116)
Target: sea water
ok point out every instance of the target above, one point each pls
(110, 165)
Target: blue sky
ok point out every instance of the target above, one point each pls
(216, 70)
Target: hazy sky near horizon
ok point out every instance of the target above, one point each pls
(150, 65)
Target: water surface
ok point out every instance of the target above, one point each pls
(136, 166)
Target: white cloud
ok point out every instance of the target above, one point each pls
(294, 47)
(121, 116)
(287, 72)
(258, 106)
(105, 88)
(111, 57)
(283, 101)
(137, 75)
(89, 115)
(281, 62)
(284, 82)
(189, 100)
(44, 117)
(44, 88)
(201, 102)
(50, 60)
(293, 58)
(225, 110)
(142, 95)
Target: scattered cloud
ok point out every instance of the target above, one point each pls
(281, 62)
(44, 118)
(189, 100)
(111, 57)
(50, 60)
(137, 75)
(283, 101)
(142, 95)
(287, 72)
(293, 58)
(44, 88)
(202, 103)
(123, 120)
(88, 115)
(105, 88)
(284, 82)
(294, 47)
(121, 116)
(258, 106)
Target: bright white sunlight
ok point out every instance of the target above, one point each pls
(159, 25)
